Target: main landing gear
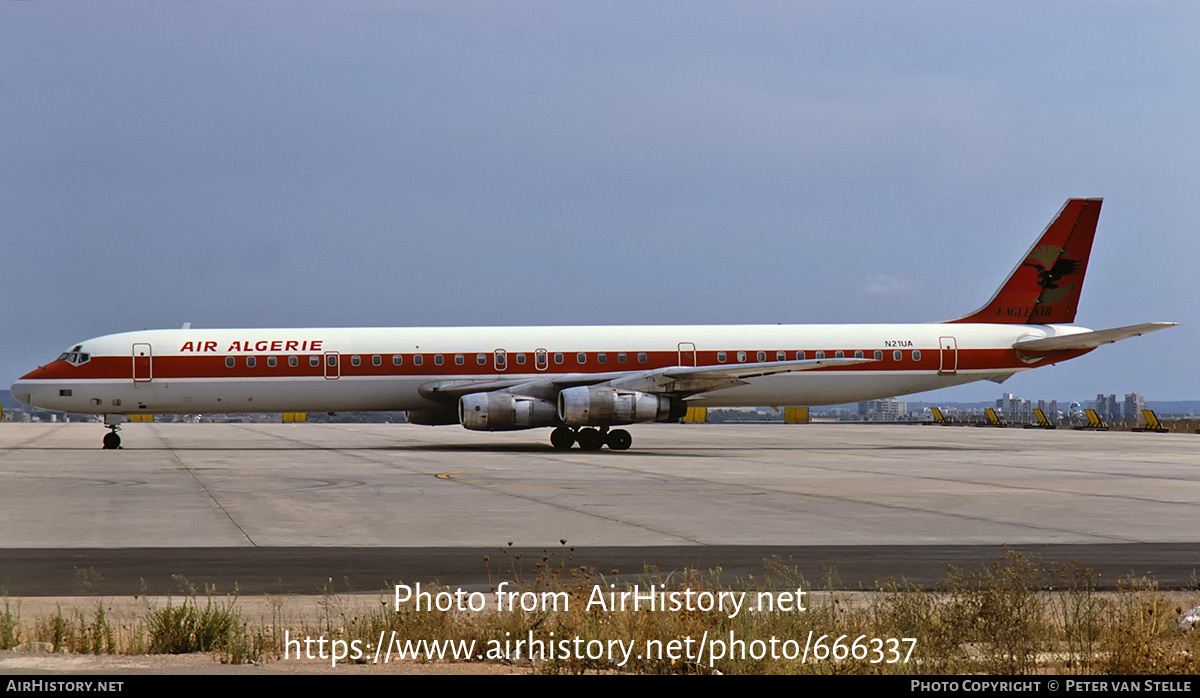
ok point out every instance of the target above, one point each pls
(590, 438)
(112, 439)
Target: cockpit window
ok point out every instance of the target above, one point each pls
(74, 357)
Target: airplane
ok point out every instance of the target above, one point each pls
(583, 381)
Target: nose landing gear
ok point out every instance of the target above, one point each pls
(112, 439)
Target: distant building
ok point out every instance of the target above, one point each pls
(1134, 404)
(1015, 409)
(1106, 406)
(889, 410)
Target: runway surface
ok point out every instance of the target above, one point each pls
(288, 508)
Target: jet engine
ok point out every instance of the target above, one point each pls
(598, 406)
(505, 412)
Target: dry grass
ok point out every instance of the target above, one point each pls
(1016, 617)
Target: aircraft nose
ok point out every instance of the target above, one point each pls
(21, 392)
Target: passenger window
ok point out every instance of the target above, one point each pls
(293, 361)
(839, 354)
(621, 357)
(641, 357)
(314, 360)
(459, 360)
(250, 361)
(916, 354)
(271, 361)
(741, 356)
(858, 354)
(355, 360)
(397, 359)
(418, 359)
(331, 360)
(879, 355)
(438, 359)
(581, 358)
(897, 355)
(721, 357)
(762, 356)
(481, 359)
(799, 356)
(521, 359)
(820, 355)
(559, 358)
(376, 360)
(781, 356)
(230, 362)
(601, 358)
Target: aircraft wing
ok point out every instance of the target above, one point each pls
(451, 390)
(678, 380)
(764, 368)
(1090, 340)
(691, 380)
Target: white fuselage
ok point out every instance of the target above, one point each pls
(363, 369)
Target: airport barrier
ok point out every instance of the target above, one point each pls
(993, 419)
(1042, 421)
(1095, 421)
(1153, 423)
(940, 417)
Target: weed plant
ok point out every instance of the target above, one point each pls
(1014, 617)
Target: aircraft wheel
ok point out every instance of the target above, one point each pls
(562, 438)
(619, 440)
(590, 439)
(112, 440)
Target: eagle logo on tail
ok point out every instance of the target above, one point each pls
(1051, 268)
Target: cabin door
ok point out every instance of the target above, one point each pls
(687, 354)
(333, 366)
(143, 369)
(949, 352)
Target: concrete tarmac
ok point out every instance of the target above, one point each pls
(285, 508)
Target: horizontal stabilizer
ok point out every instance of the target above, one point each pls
(1090, 340)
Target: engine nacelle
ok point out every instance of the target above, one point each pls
(596, 406)
(504, 412)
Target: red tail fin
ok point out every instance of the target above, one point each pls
(1045, 286)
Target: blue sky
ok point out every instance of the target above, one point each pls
(440, 163)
